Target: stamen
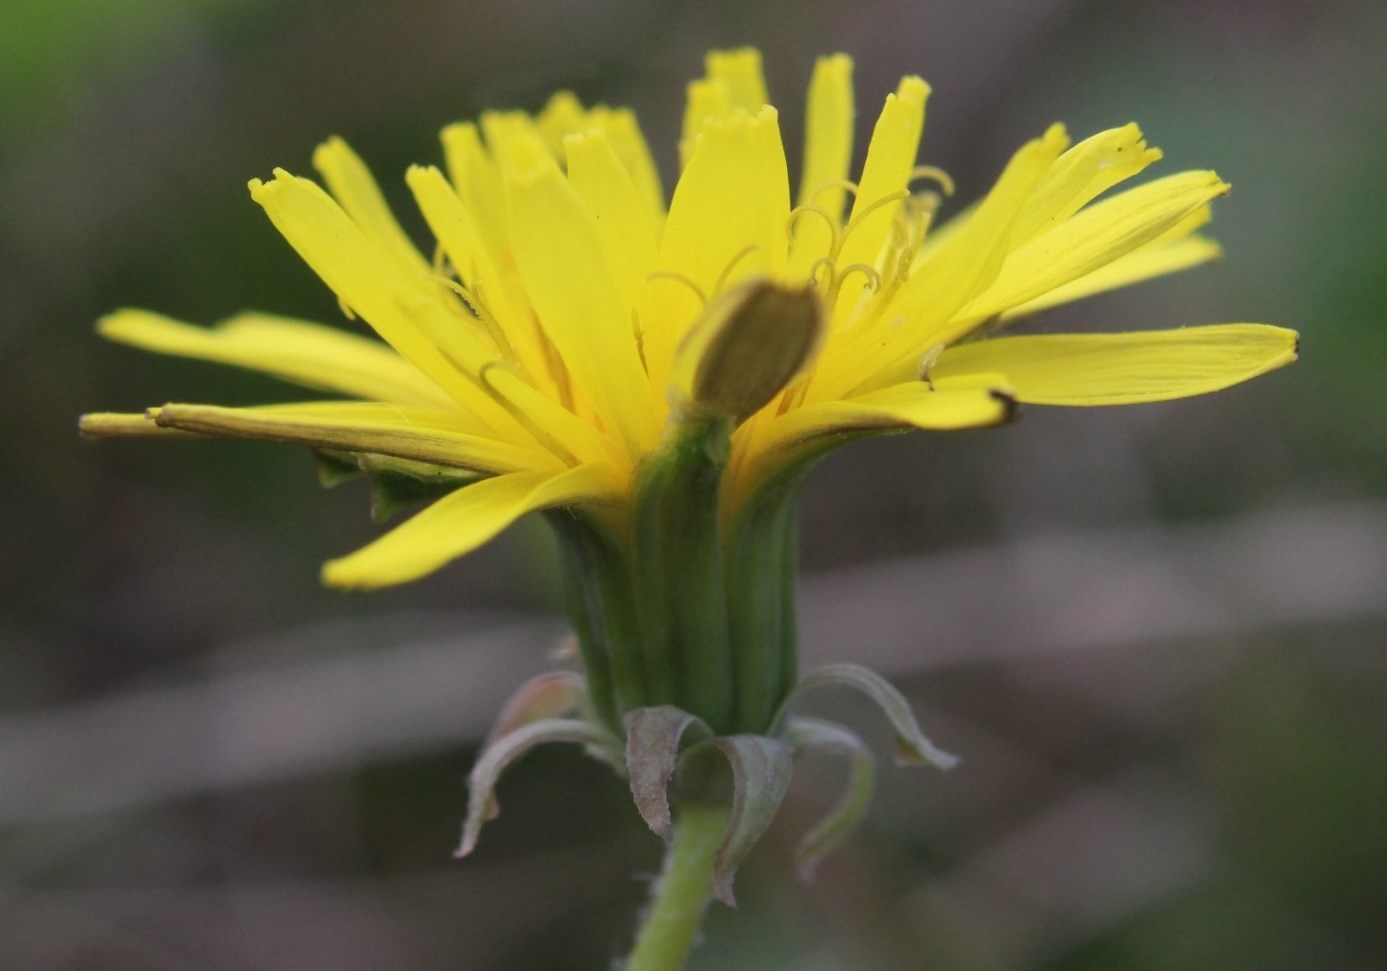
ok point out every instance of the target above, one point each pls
(927, 364)
(856, 221)
(680, 278)
(846, 184)
(934, 174)
(873, 277)
(798, 211)
(740, 255)
(823, 261)
(481, 313)
(345, 307)
(639, 336)
(531, 426)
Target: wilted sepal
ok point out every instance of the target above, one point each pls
(843, 818)
(503, 751)
(653, 739)
(760, 776)
(396, 483)
(553, 694)
(747, 346)
(335, 467)
(912, 748)
(393, 492)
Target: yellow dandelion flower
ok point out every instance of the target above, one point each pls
(568, 313)
(662, 375)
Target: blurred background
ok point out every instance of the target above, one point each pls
(1156, 635)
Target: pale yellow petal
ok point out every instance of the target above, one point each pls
(420, 434)
(563, 115)
(727, 221)
(563, 432)
(627, 140)
(919, 316)
(560, 259)
(1095, 237)
(309, 354)
(1145, 263)
(706, 100)
(623, 225)
(885, 173)
(514, 140)
(761, 449)
(460, 522)
(407, 313)
(474, 175)
(1080, 175)
(740, 70)
(496, 288)
(828, 130)
(111, 424)
(355, 189)
(1120, 369)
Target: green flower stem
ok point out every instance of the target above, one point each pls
(683, 891)
(678, 572)
(597, 584)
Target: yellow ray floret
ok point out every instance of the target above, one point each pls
(1124, 369)
(462, 521)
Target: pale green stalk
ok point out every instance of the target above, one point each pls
(683, 891)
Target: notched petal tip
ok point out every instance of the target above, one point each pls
(261, 189)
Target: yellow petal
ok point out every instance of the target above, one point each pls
(1080, 175)
(489, 283)
(1153, 260)
(514, 140)
(629, 143)
(918, 318)
(623, 225)
(405, 311)
(828, 129)
(726, 223)
(459, 523)
(1120, 369)
(740, 71)
(474, 175)
(763, 448)
(706, 100)
(352, 185)
(560, 259)
(971, 401)
(563, 115)
(110, 424)
(886, 171)
(423, 435)
(1095, 238)
(308, 354)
